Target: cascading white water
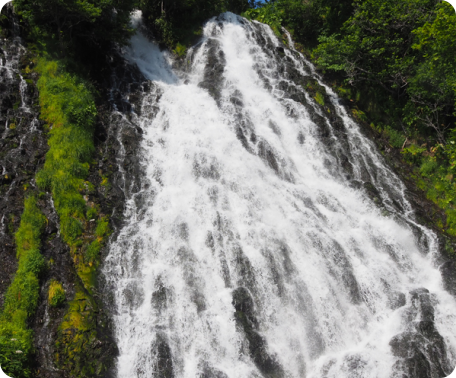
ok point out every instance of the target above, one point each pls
(248, 252)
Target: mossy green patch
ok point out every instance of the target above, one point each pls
(68, 107)
(436, 173)
(320, 99)
(21, 299)
(56, 294)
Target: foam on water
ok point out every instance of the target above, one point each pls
(270, 212)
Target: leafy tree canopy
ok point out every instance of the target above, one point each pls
(432, 89)
(179, 20)
(89, 23)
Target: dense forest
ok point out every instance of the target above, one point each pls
(394, 62)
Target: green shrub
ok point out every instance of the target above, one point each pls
(102, 227)
(93, 251)
(56, 294)
(34, 262)
(396, 139)
(413, 154)
(15, 347)
(320, 99)
(91, 213)
(428, 167)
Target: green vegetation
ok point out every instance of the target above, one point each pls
(56, 294)
(86, 28)
(177, 23)
(21, 299)
(305, 20)
(68, 107)
(270, 14)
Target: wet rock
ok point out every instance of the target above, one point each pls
(163, 358)
(257, 345)
(397, 300)
(421, 349)
(448, 270)
(214, 69)
(209, 372)
(22, 144)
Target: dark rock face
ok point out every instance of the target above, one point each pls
(421, 350)
(213, 74)
(164, 366)
(257, 346)
(209, 372)
(22, 145)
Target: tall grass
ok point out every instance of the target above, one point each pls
(68, 107)
(21, 299)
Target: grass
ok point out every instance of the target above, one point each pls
(436, 176)
(21, 299)
(68, 108)
(67, 105)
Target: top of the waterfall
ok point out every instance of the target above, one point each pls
(153, 63)
(136, 19)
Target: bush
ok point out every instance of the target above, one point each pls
(413, 154)
(15, 347)
(102, 227)
(56, 294)
(93, 251)
(428, 168)
(34, 262)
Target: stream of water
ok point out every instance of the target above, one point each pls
(268, 238)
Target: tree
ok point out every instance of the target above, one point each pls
(89, 23)
(178, 20)
(432, 89)
(375, 44)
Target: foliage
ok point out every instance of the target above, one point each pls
(374, 45)
(93, 250)
(67, 105)
(404, 52)
(320, 99)
(413, 154)
(432, 89)
(177, 22)
(396, 139)
(269, 13)
(21, 298)
(56, 294)
(102, 227)
(400, 57)
(306, 20)
(87, 25)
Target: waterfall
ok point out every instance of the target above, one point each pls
(266, 236)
